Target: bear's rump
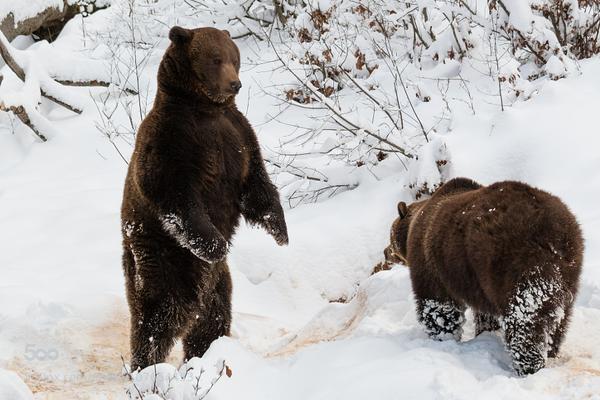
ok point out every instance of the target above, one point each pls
(488, 243)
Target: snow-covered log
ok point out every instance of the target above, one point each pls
(49, 88)
(37, 82)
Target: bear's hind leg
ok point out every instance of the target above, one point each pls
(153, 332)
(441, 318)
(485, 323)
(533, 318)
(215, 321)
(437, 311)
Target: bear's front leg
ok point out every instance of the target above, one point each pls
(274, 223)
(440, 315)
(441, 318)
(181, 213)
(194, 231)
(437, 311)
(261, 205)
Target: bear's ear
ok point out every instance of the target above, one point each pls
(179, 35)
(225, 31)
(402, 209)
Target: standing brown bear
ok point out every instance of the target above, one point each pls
(509, 251)
(195, 169)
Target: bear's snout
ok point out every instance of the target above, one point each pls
(229, 81)
(236, 86)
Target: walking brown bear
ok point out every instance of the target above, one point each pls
(509, 251)
(195, 169)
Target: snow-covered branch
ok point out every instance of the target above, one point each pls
(37, 83)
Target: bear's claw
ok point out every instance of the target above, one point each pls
(275, 226)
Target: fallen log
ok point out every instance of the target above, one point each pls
(48, 21)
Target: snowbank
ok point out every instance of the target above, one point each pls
(12, 387)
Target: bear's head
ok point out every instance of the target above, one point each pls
(397, 250)
(203, 61)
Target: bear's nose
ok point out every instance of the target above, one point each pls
(236, 86)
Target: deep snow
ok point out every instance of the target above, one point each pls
(64, 320)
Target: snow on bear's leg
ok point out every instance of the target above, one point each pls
(442, 319)
(485, 323)
(533, 316)
(441, 316)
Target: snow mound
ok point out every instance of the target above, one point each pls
(12, 387)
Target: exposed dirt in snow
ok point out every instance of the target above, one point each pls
(316, 331)
(88, 364)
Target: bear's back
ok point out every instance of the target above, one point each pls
(480, 241)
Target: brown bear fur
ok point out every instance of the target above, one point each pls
(195, 169)
(509, 251)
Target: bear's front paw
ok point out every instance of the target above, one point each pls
(211, 250)
(275, 225)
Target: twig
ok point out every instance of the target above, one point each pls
(214, 381)
(497, 63)
(93, 83)
(128, 373)
(296, 174)
(450, 22)
(417, 32)
(398, 74)
(135, 60)
(464, 4)
(377, 102)
(343, 121)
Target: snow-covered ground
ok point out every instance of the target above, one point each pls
(309, 320)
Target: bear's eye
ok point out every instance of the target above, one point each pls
(217, 61)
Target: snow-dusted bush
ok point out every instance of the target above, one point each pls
(359, 67)
(546, 36)
(245, 17)
(163, 381)
(356, 67)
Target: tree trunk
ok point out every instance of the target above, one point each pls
(46, 24)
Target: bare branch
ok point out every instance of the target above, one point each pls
(92, 83)
(338, 116)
